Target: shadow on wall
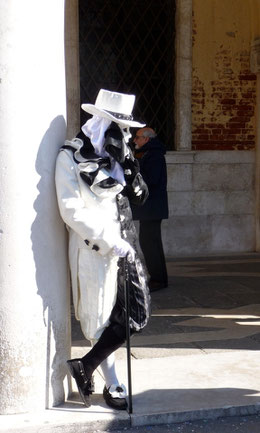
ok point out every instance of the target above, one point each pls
(49, 245)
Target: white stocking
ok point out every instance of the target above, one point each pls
(109, 370)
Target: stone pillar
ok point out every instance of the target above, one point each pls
(183, 74)
(34, 295)
(255, 68)
(72, 68)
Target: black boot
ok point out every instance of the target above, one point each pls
(82, 368)
(85, 385)
(114, 397)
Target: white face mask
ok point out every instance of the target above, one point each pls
(95, 129)
(126, 133)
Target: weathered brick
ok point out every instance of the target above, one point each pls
(228, 101)
(247, 77)
(233, 131)
(229, 123)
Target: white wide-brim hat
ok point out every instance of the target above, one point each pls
(115, 106)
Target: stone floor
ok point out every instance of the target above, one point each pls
(198, 358)
(211, 304)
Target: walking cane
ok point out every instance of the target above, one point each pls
(127, 306)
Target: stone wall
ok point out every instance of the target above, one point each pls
(211, 202)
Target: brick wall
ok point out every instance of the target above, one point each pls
(223, 104)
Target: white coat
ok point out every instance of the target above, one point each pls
(91, 215)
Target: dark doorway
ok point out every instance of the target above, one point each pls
(128, 46)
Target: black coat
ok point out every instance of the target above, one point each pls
(154, 172)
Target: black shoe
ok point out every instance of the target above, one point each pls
(85, 385)
(115, 397)
(156, 285)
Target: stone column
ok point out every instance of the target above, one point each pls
(183, 74)
(255, 68)
(34, 300)
(72, 68)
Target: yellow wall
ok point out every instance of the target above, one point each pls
(223, 87)
(254, 7)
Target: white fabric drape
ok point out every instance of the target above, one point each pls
(95, 129)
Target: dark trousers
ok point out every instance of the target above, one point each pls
(151, 245)
(111, 339)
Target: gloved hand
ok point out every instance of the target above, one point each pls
(122, 249)
(137, 191)
(130, 167)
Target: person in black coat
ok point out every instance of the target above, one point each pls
(150, 151)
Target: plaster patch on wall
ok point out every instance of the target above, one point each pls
(231, 34)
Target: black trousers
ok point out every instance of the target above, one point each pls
(151, 245)
(111, 339)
